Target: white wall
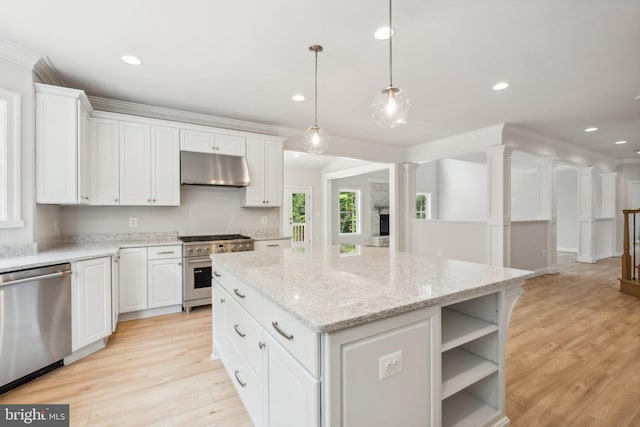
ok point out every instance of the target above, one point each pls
(202, 210)
(524, 194)
(466, 241)
(567, 190)
(529, 245)
(462, 190)
(359, 182)
(627, 173)
(605, 246)
(297, 177)
(38, 221)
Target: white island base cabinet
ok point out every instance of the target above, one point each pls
(440, 365)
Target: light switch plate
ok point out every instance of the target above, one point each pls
(390, 365)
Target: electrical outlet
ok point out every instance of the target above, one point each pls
(55, 225)
(264, 219)
(133, 222)
(389, 365)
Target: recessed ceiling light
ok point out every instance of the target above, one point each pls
(620, 142)
(296, 155)
(591, 129)
(131, 60)
(297, 97)
(382, 33)
(637, 98)
(500, 86)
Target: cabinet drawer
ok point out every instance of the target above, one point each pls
(248, 298)
(247, 336)
(274, 243)
(162, 252)
(302, 342)
(250, 389)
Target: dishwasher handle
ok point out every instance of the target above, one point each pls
(35, 278)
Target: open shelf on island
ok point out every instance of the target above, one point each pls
(461, 329)
(461, 369)
(463, 409)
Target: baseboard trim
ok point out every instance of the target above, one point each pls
(85, 351)
(585, 259)
(605, 256)
(152, 312)
(570, 250)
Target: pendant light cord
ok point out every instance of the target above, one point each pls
(390, 48)
(316, 113)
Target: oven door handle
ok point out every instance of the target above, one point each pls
(199, 261)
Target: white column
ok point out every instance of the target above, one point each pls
(549, 182)
(407, 203)
(586, 215)
(609, 191)
(499, 204)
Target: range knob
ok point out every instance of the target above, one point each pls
(198, 250)
(207, 250)
(234, 247)
(189, 251)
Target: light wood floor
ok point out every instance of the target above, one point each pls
(573, 359)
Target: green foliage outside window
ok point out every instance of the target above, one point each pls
(421, 206)
(348, 212)
(298, 208)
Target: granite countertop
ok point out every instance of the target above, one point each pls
(75, 252)
(329, 290)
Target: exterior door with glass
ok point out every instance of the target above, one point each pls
(297, 215)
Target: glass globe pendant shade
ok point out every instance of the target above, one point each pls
(315, 140)
(391, 107)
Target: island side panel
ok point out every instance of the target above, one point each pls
(354, 359)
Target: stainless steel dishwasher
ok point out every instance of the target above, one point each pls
(35, 322)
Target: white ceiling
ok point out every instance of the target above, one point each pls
(571, 63)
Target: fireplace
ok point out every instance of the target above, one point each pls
(384, 224)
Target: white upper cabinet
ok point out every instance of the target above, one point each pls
(135, 164)
(105, 162)
(264, 158)
(149, 165)
(63, 125)
(203, 140)
(165, 166)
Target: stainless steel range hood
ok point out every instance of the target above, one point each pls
(213, 169)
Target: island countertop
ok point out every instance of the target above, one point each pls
(329, 289)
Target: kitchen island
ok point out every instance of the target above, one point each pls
(353, 336)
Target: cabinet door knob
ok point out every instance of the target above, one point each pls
(115, 200)
(154, 200)
(262, 345)
(148, 200)
(222, 300)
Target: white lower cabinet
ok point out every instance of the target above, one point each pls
(91, 318)
(293, 393)
(163, 275)
(150, 277)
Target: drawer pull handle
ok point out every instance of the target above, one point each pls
(166, 252)
(239, 379)
(262, 345)
(281, 332)
(238, 331)
(215, 273)
(235, 291)
(273, 245)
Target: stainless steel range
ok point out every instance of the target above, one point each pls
(197, 270)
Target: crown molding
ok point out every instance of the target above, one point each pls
(17, 54)
(629, 161)
(132, 108)
(47, 73)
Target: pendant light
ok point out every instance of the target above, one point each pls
(391, 106)
(315, 138)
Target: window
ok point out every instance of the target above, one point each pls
(349, 212)
(10, 160)
(423, 205)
